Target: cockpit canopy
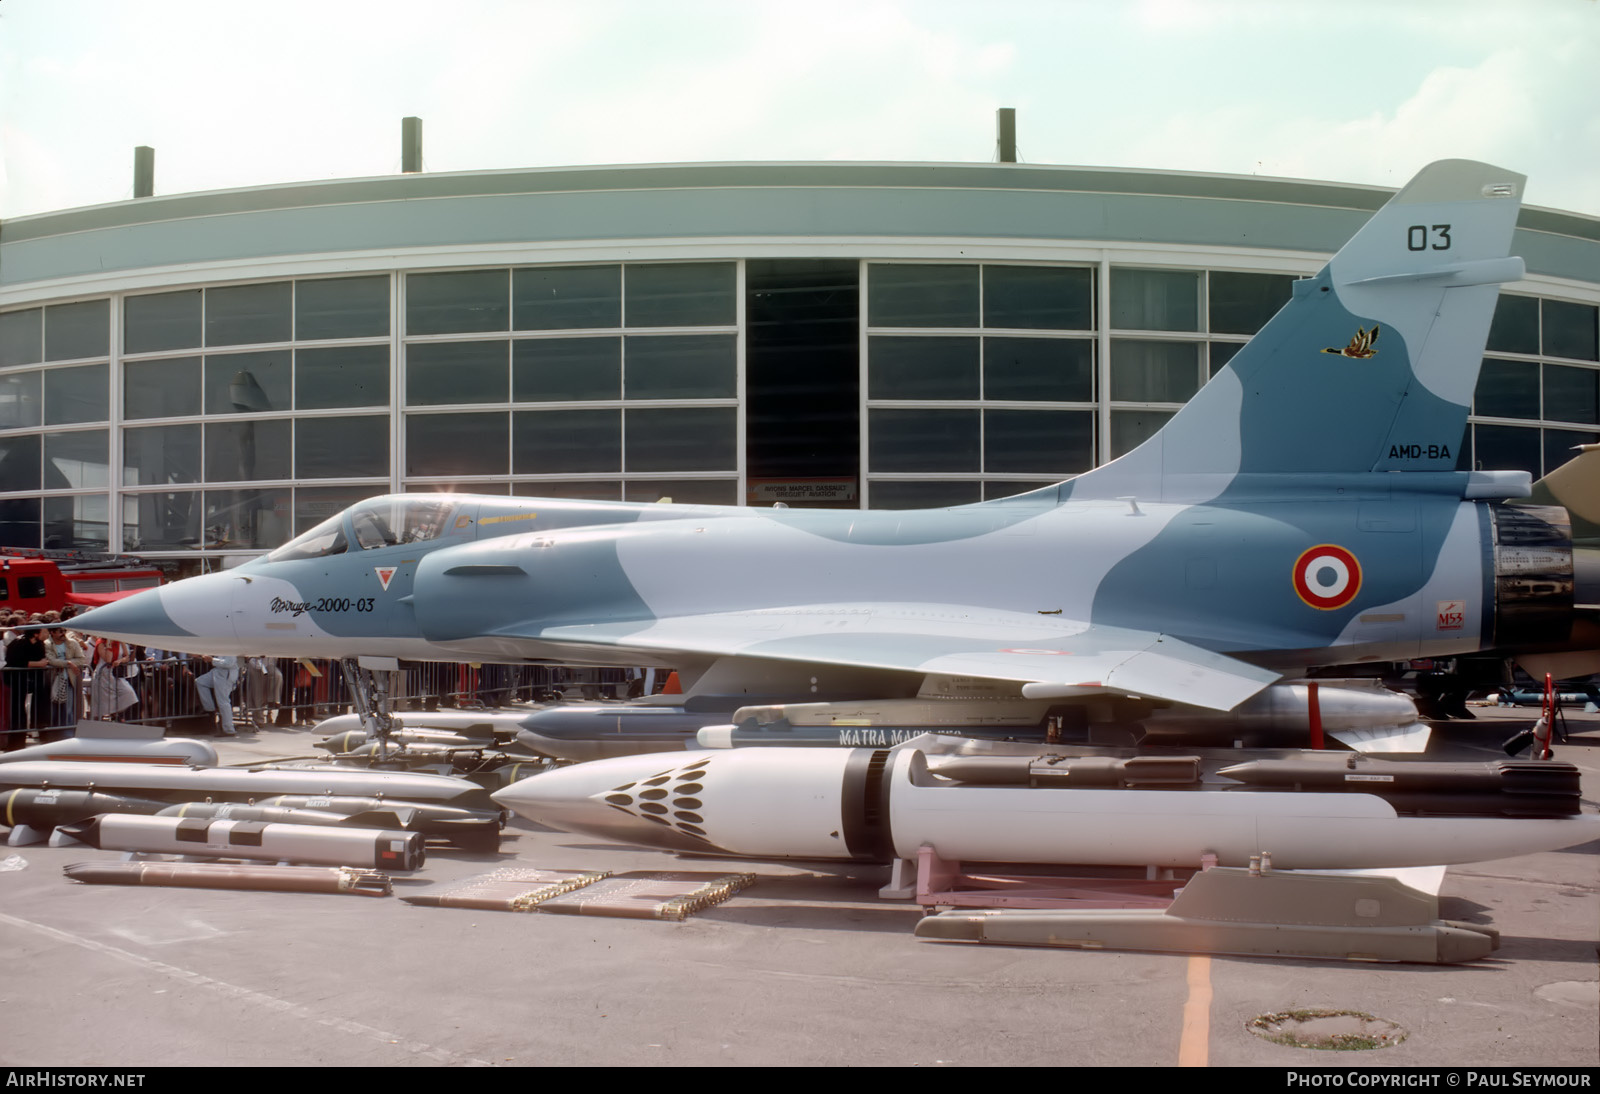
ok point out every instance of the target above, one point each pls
(380, 522)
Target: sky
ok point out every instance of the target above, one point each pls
(234, 94)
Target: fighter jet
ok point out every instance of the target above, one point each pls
(1302, 510)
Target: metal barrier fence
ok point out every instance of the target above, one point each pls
(286, 692)
(26, 703)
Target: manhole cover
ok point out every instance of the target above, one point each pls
(1583, 993)
(1339, 1030)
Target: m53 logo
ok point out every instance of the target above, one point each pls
(1452, 615)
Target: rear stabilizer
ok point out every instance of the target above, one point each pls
(1372, 363)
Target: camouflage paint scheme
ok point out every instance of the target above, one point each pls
(1303, 509)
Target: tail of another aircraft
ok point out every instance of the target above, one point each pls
(1371, 365)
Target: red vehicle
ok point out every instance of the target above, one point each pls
(33, 582)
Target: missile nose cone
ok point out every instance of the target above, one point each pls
(605, 798)
(169, 617)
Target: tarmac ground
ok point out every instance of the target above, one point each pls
(806, 967)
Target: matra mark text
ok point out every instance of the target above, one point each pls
(875, 738)
(322, 604)
(1419, 451)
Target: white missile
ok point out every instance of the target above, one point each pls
(239, 783)
(311, 844)
(881, 805)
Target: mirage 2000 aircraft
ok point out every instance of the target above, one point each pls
(1303, 510)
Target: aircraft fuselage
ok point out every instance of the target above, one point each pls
(1290, 578)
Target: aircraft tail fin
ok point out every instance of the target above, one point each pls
(1372, 363)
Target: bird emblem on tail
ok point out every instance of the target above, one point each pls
(1362, 345)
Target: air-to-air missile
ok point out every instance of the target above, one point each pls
(246, 783)
(469, 746)
(313, 844)
(882, 805)
(473, 761)
(465, 827)
(279, 814)
(455, 729)
(577, 732)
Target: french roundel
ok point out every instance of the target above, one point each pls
(1327, 577)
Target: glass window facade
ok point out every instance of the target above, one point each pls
(458, 303)
(81, 393)
(345, 447)
(21, 337)
(341, 376)
(439, 373)
(679, 294)
(77, 461)
(242, 314)
(567, 297)
(341, 307)
(248, 383)
(1241, 303)
(566, 442)
(73, 331)
(161, 388)
(642, 358)
(1544, 377)
(161, 321)
(1155, 299)
(987, 401)
(561, 370)
(1154, 372)
(1516, 325)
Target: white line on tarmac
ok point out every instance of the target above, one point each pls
(246, 995)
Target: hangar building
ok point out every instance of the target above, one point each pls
(201, 376)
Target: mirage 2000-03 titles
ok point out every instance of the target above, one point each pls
(1302, 510)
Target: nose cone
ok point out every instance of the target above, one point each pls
(189, 616)
(606, 798)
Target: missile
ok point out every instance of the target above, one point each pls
(480, 727)
(52, 808)
(880, 805)
(474, 829)
(594, 731)
(1361, 714)
(245, 783)
(223, 875)
(373, 848)
(271, 814)
(433, 820)
(411, 756)
(352, 740)
(1514, 788)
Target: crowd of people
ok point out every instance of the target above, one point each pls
(45, 668)
(53, 677)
